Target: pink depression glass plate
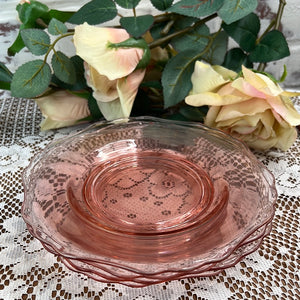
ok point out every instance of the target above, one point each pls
(145, 200)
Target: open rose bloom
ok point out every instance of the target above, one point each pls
(111, 73)
(250, 107)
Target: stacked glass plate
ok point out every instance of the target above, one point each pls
(145, 200)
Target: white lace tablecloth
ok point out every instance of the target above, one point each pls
(27, 271)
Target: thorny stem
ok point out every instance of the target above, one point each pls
(198, 56)
(167, 28)
(55, 42)
(163, 17)
(47, 54)
(275, 24)
(41, 23)
(167, 38)
(279, 14)
(211, 40)
(269, 28)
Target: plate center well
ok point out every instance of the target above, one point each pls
(147, 192)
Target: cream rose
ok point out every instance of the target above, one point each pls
(111, 73)
(62, 109)
(250, 107)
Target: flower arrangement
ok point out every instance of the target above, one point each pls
(171, 65)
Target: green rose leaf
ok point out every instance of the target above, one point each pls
(244, 31)
(235, 58)
(36, 40)
(196, 38)
(162, 4)
(95, 12)
(234, 10)
(272, 46)
(94, 108)
(5, 77)
(218, 49)
(128, 3)
(137, 26)
(176, 77)
(62, 16)
(5, 74)
(155, 84)
(80, 82)
(63, 68)
(156, 30)
(57, 27)
(30, 12)
(192, 113)
(196, 8)
(17, 45)
(4, 85)
(176, 116)
(31, 79)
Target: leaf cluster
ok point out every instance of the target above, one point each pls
(35, 15)
(35, 77)
(252, 48)
(181, 29)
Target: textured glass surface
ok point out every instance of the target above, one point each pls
(145, 200)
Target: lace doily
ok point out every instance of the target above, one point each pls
(28, 271)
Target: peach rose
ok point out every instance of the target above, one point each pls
(62, 109)
(250, 107)
(111, 73)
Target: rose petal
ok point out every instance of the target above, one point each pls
(243, 130)
(229, 90)
(211, 116)
(258, 144)
(245, 121)
(224, 72)
(205, 79)
(213, 99)
(62, 106)
(268, 120)
(105, 90)
(285, 108)
(285, 137)
(111, 110)
(290, 94)
(62, 109)
(246, 88)
(238, 110)
(127, 89)
(261, 82)
(91, 45)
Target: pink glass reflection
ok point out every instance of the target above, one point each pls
(146, 200)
